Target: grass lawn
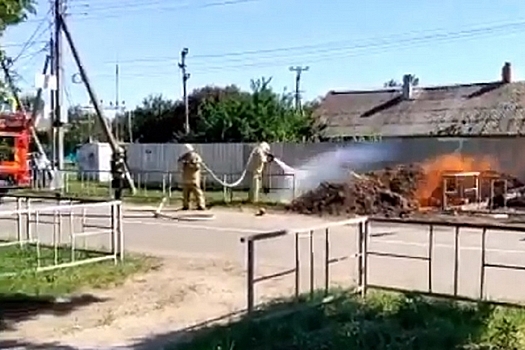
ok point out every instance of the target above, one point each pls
(384, 321)
(214, 197)
(23, 260)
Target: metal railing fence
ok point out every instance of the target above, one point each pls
(56, 232)
(364, 253)
(157, 184)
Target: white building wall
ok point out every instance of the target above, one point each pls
(94, 162)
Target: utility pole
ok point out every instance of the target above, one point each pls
(52, 104)
(116, 107)
(58, 120)
(119, 167)
(298, 71)
(185, 77)
(130, 127)
(117, 110)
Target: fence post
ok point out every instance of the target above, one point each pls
(28, 219)
(365, 257)
(327, 261)
(312, 263)
(19, 220)
(297, 266)
(251, 276)
(430, 251)
(113, 225)
(359, 257)
(456, 259)
(120, 231)
(483, 263)
(224, 189)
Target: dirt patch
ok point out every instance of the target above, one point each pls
(178, 294)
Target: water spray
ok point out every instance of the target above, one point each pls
(339, 165)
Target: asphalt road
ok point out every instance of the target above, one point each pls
(220, 239)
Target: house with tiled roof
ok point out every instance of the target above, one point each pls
(467, 110)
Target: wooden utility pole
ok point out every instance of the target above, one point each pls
(121, 169)
(58, 116)
(298, 71)
(185, 77)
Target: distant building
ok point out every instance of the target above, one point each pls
(480, 109)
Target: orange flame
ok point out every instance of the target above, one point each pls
(430, 187)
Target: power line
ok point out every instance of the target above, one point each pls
(121, 11)
(347, 45)
(344, 52)
(22, 44)
(33, 37)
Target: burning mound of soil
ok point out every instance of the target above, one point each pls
(389, 192)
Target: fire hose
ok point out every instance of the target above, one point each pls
(233, 184)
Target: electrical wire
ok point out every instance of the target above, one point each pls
(157, 5)
(349, 51)
(331, 47)
(121, 10)
(21, 44)
(33, 37)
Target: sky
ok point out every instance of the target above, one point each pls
(347, 45)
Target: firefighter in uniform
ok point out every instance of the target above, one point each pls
(191, 178)
(261, 156)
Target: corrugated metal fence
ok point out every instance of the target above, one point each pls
(153, 161)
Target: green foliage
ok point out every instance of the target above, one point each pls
(154, 120)
(82, 127)
(29, 102)
(15, 11)
(381, 322)
(226, 115)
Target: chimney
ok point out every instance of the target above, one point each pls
(506, 76)
(407, 86)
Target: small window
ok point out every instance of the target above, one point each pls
(7, 149)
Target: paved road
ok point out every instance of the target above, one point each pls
(220, 239)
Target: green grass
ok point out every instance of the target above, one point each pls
(96, 190)
(23, 261)
(384, 321)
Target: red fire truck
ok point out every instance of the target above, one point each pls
(15, 136)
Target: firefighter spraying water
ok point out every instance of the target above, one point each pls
(260, 157)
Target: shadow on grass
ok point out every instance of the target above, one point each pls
(16, 308)
(19, 344)
(384, 321)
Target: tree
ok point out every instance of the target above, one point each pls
(394, 83)
(15, 11)
(391, 83)
(226, 114)
(154, 121)
(82, 128)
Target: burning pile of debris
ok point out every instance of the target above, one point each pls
(512, 196)
(402, 190)
(389, 192)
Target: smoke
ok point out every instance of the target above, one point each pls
(333, 166)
